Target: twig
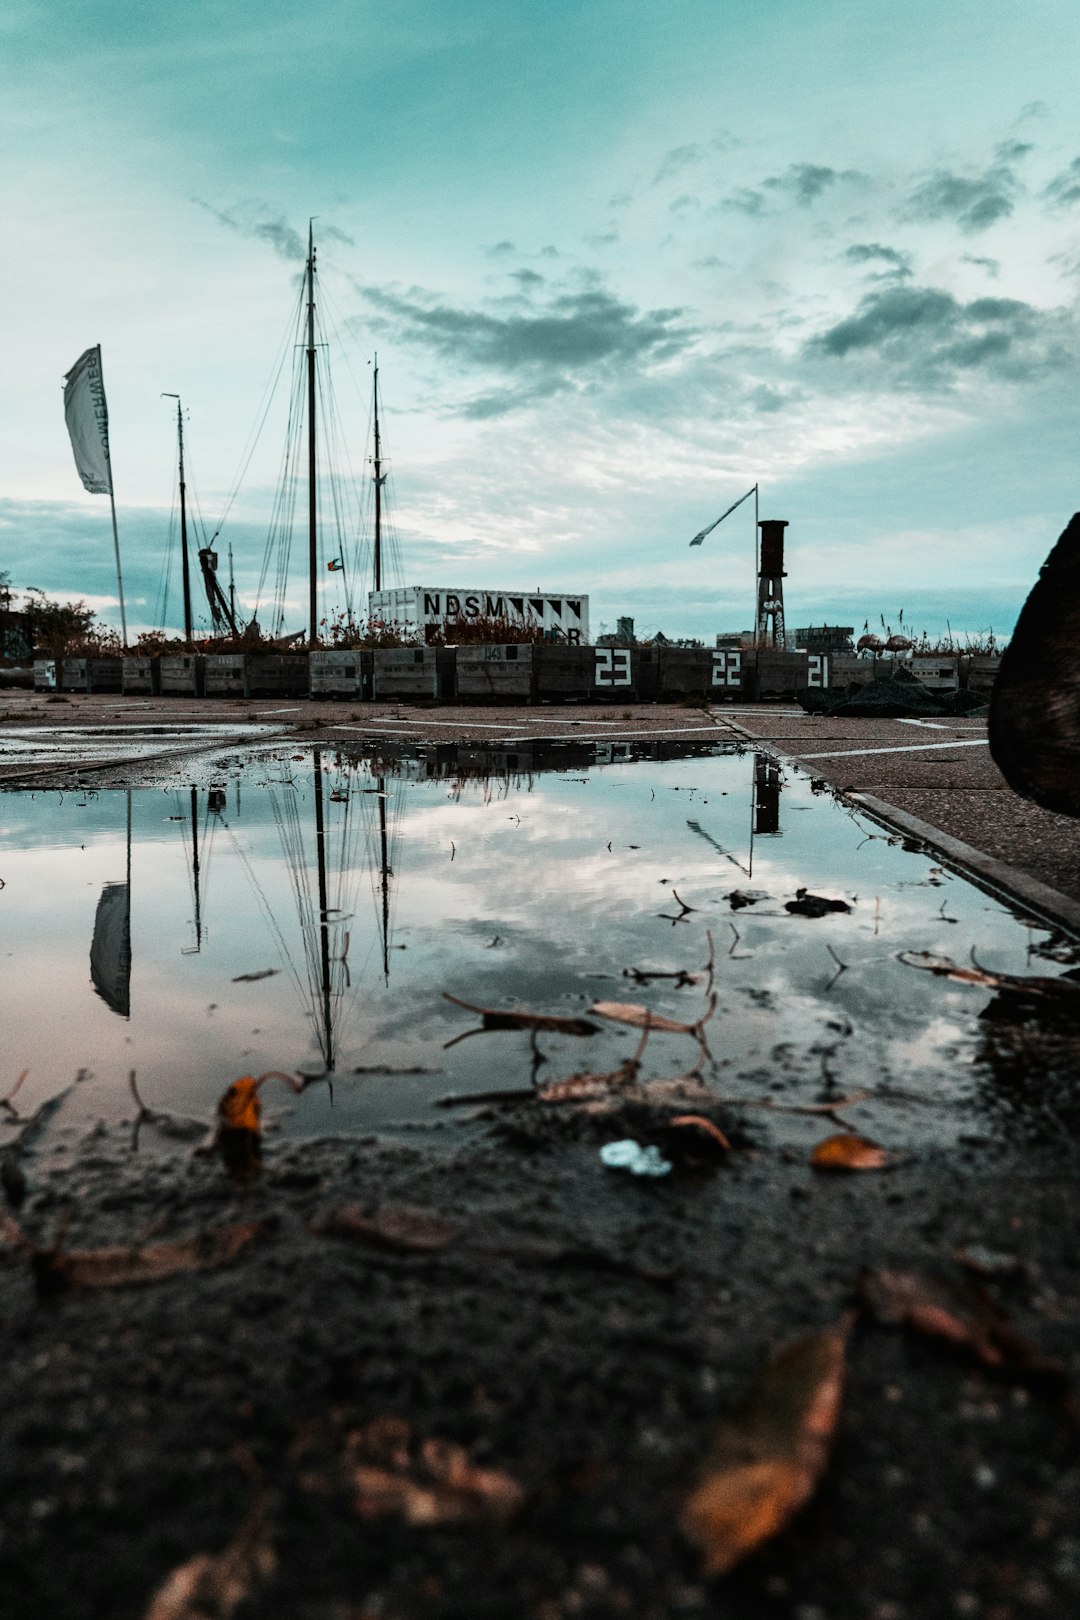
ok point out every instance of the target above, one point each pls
(710, 965)
(743, 956)
(683, 914)
(5, 1102)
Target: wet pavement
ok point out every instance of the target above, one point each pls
(426, 1356)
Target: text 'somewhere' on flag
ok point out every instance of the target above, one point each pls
(87, 417)
(110, 949)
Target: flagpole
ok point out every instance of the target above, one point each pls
(116, 548)
(757, 564)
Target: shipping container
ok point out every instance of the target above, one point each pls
(226, 675)
(719, 674)
(276, 674)
(938, 671)
(495, 673)
(45, 675)
(91, 675)
(409, 672)
(627, 674)
(564, 615)
(341, 674)
(781, 674)
(141, 677)
(183, 674)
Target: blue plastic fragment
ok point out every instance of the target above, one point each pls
(631, 1156)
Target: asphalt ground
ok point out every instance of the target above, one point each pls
(938, 772)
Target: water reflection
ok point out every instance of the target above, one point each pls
(305, 911)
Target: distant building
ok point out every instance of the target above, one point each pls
(735, 638)
(825, 638)
(563, 615)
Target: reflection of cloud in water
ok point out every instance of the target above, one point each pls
(531, 869)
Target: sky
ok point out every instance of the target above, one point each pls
(620, 261)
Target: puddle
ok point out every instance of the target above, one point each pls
(308, 910)
(44, 745)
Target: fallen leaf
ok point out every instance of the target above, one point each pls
(399, 1228)
(116, 1266)
(765, 1463)
(426, 1482)
(495, 1018)
(629, 1012)
(806, 904)
(965, 1316)
(945, 968)
(240, 1108)
(250, 978)
(212, 1586)
(579, 1087)
(692, 1137)
(848, 1152)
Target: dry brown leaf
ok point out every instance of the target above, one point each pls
(693, 1137)
(630, 1012)
(944, 968)
(965, 1316)
(848, 1152)
(494, 1018)
(426, 1482)
(399, 1228)
(115, 1266)
(212, 1586)
(765, 1463)
(580, 1087)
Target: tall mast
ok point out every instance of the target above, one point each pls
(313, 561)
(185, 562)
(384, 884)
(378, 486)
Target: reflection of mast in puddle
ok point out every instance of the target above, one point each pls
(110, 948)
(327, 1041)
(384, 880)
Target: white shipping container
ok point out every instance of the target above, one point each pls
(566, 613)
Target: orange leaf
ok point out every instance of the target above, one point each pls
(848, 1152)
(240, 1108)
(432, 1481)
(965, 1316)
(212, 1586)
(765, 1463)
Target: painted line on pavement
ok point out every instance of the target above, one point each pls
(904, 748)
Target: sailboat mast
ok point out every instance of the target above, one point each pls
(184, 559)
(378, 486)
(313, 561)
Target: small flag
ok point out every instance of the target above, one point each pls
(335, 566)
(698, 538)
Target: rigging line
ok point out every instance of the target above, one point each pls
(333, 306)
(268, 914)
(264, 408)
(283, 512)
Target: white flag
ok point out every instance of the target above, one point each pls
(87, 417)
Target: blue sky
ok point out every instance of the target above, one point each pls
(620, 260)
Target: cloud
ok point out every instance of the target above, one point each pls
(500, 250)
(576, 337)
(259, 222)
(1064, 188)
(974, 201)
(806, 181)
(527, 279)
(898, 264)
(928, 338)
(991, 266)
(744, 201)
(677, 160)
